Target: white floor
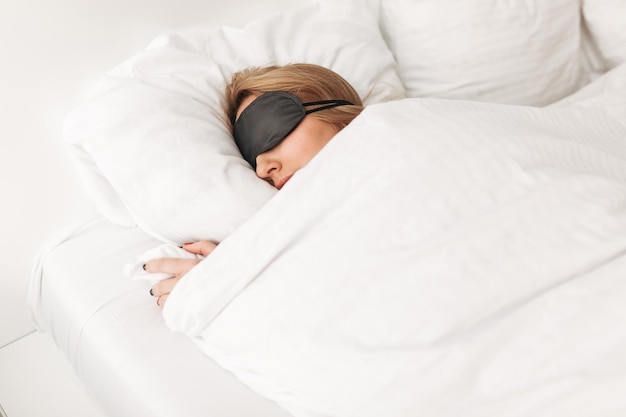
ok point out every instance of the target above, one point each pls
(36, 380)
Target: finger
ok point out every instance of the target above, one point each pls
(172, 266)
(164, 287)
(203, 247)
(161, 300)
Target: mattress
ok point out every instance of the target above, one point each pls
(112, 332)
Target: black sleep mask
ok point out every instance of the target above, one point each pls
(270, 118)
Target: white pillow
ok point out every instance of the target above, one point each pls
(152, 145)
(515, 52)
(606, 21)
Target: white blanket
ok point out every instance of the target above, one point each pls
(437, 258)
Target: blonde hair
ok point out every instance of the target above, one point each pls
(307, 81)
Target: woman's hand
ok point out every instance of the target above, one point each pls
(203, 247)
(177, 267)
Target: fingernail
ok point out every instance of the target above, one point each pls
(144, 267)
(187, 243)
(151, 293)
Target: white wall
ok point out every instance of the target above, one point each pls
(51, 52)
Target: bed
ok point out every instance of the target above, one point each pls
(458, 249)
(119, 347)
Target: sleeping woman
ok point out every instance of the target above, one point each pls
(280, 117)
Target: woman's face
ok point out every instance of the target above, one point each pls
(277, 165)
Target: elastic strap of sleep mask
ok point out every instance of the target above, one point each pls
(270, 118)
(329, 105)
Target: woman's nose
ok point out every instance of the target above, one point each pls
(266, 168)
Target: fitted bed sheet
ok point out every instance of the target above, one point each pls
(112, 332)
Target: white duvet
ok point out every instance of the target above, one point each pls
(437, 258)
